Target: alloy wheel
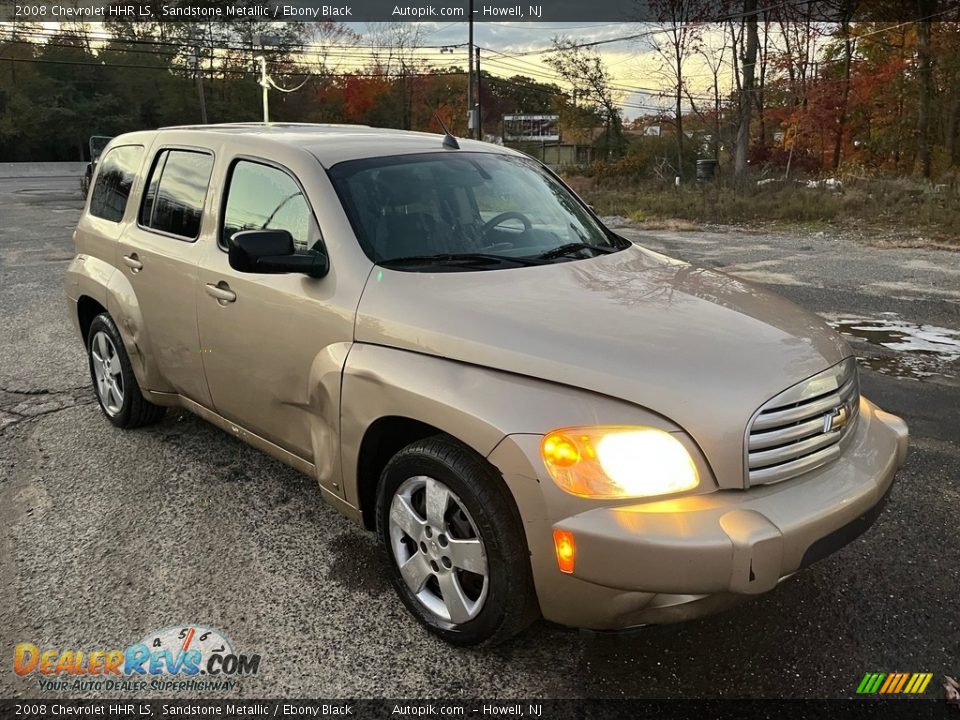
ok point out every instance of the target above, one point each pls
(438, 549)
(107, 373)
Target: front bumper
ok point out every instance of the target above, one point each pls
(661, 561)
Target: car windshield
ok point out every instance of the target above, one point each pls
(465, 210)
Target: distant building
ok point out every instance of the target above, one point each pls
(542, 137)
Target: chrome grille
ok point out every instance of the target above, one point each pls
(803, 427)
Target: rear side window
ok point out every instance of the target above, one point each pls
(118, 168)
(175, 193)
(261, 197)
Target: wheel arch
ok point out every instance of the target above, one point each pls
(87, 309)
(383, 439)
(391, 398)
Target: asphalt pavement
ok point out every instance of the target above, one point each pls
(108, 535)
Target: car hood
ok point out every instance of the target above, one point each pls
(701, 348)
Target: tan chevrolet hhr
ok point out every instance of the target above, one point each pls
(536, 416)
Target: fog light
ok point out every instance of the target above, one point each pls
(563, 542)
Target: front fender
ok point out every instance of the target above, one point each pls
(478, 406)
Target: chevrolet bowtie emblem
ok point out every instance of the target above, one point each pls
(835, 419)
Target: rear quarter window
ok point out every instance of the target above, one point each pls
(176, 191)
(118, 170)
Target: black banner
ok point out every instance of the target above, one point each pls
(626, 11)
(439, 709)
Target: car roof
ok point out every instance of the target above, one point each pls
(333, 143)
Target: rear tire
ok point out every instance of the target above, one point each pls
(114, 383)
(466, 573)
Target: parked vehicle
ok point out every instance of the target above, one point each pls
(536, 416)
(97, 143)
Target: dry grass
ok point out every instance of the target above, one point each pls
(919, 243)
(639, 220)
(888, 214)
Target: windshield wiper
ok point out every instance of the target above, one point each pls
(570, 248)
(452, 258)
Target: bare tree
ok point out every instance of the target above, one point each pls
(396, 47)
(397, 52)
(798, 35)
(746, 49)
(324, 37)
(584, 69)
(712, 48)
(763, 65)
(926, 9)
(676, 41)
(845, 10)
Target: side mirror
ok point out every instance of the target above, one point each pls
(273, 251)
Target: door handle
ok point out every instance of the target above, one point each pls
(132, 261)
(222, 292)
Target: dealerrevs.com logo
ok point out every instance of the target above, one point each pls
(184, 657)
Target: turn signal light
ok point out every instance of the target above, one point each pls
(566, 551)
(560, 450)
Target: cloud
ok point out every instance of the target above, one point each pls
(515, 48)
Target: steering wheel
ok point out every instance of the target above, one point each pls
(511, 215)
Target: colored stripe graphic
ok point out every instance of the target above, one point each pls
(891, 680)
(915, 680)
(870, 683)
(894, 683)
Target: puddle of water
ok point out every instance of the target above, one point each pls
(919, 351)
(358, 564)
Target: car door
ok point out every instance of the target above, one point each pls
(159, 255)
(273, 345)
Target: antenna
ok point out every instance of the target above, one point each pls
(449, 141)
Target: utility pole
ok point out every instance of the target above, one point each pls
(203, 99)
(470, 122)
(265, 84)
(479, 99)
(198, 73)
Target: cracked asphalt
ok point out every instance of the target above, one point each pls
(108, 535)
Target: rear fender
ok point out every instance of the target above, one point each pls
(89, 276)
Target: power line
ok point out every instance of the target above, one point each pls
(336, 53)
(306, 62)
(228, 71)
(545, 73)
(107, 37)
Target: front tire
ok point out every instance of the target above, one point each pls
(454, 543)
(114, 383)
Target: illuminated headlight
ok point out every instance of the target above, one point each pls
(618, 462)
